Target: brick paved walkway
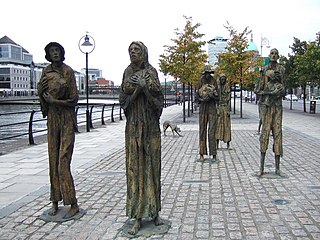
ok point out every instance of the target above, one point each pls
(210, 200)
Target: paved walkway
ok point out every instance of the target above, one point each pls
(210, 200)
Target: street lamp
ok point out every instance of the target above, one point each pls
(264, 42)
(87, 47)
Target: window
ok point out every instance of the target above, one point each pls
(4, 70)
(27, 58)
(16, 53)
(4, 85)
(4, 51)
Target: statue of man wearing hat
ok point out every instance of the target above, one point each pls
(207, 96)
(58, 95)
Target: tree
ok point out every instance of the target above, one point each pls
(185, 59)
(303, 66)
(294, 77)
(290, 81)
(236, 63)
(308, 65)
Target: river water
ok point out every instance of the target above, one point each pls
(40, 124)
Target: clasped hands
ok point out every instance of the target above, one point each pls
(140, 80)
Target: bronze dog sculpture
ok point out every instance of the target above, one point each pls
(174, 128)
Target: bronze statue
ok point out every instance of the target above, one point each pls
(141, 98)
(207, 96)
(224, 122)
(271, 91)
(58, 95)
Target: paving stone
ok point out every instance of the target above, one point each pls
(221, 200)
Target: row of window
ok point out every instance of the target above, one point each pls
(6, 78)
(20, 85)
(21, 71)
(14, 70)
(14, 52)
(21, 78)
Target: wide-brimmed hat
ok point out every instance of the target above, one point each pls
(207, 69)
(51, 44)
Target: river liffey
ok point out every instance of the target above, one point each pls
(14, 118)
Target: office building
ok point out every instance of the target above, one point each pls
(17, 75)
(216, 46)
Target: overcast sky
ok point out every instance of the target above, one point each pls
(115, 24)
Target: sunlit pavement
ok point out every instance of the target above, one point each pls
(222, 199)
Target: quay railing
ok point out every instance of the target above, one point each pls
(31, 122)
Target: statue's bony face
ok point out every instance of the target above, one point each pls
(135, 53)
(208, 75)
(55, 53)
(223, 80)
(274, 56)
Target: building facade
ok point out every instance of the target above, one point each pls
(17, 77)
(216, 46)
(93, 73)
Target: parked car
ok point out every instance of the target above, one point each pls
(290, 97)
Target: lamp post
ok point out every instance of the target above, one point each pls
(87, 47)
(264, 42)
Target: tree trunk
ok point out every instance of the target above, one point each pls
(240, 98)
(234, 98)
(192, 99)
(184, 103)
(304, 99)
(188, 99)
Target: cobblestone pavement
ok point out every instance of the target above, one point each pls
(224, 199)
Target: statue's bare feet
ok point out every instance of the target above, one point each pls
(157, 221)
(136, 227)
(201, 157)
(74, 209)
(54, 209)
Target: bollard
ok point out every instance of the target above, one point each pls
(312, 106)
(30, 131)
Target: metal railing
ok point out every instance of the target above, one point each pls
(36, 124)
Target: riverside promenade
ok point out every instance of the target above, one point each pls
(224, 199)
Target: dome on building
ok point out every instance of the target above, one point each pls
(252, 46)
